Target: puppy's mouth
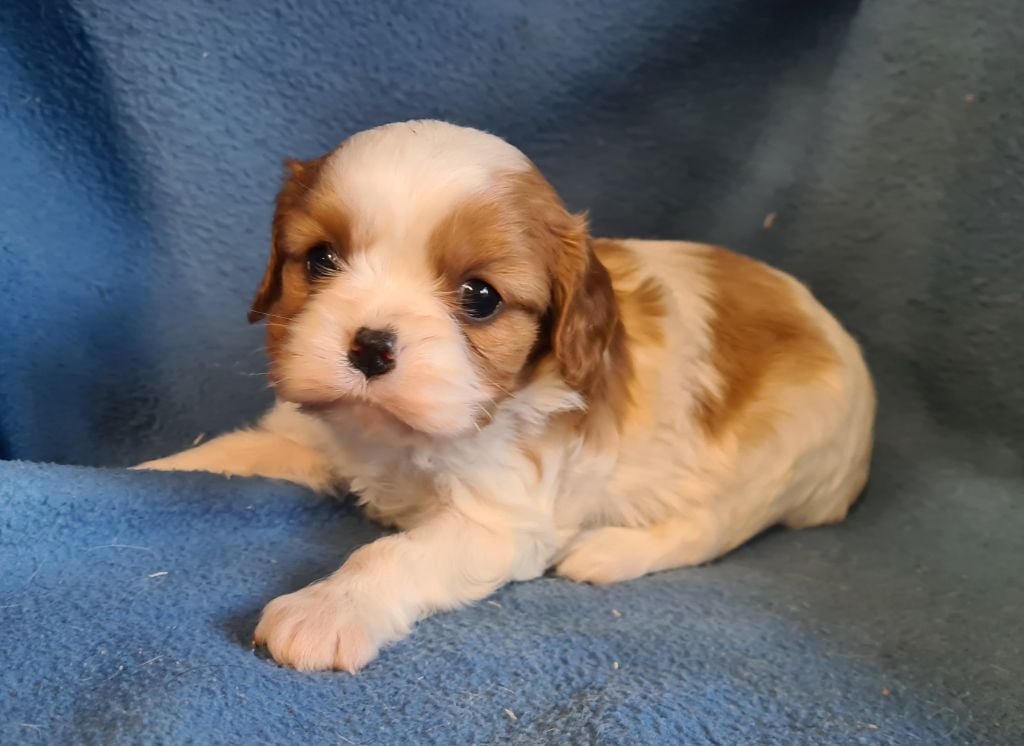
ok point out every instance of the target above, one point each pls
(376, 420)
(372, 418)
(431, 398)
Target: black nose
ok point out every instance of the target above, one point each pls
(373, 351)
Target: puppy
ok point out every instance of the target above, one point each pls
(449, 343)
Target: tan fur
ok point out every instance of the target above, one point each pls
(581, 308)
(302, 220)
(485, 239)
(762, 341)
(641, 306)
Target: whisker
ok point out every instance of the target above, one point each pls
(270, 315)
(305, 186)
(502, 389)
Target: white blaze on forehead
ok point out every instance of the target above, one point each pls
(400, 180)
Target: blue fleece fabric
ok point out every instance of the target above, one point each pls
(141, 146)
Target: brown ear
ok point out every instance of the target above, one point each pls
(586, 317)
(298, 182)
(269, 290)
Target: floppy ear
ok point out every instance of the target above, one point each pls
(298, 182)
(269, 290)
(586, 316)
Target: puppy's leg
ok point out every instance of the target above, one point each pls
(611, 554)
(374, 599)
(281, 447)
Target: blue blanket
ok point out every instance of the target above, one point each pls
(875, 149)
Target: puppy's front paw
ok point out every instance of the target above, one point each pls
(322, 627)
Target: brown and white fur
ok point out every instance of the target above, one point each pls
(633, 406)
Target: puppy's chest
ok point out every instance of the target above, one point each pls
(647, 478)
(405, 487)
(546, 478)
(394, 493)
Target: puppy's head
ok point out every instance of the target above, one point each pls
(419, 275)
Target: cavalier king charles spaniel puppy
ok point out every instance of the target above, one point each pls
(449, 343)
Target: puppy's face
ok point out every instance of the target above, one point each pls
(419, 273)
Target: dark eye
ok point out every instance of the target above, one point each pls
(478, 299)
(321, 261)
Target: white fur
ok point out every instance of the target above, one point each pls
(402, 179)
(475, 510)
